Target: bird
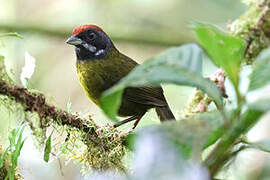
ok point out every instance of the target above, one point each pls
(100, 65)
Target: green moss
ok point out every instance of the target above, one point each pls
(3, 71)
(254, 26)
(193, 102)
(3, 169)
(249, 2)
(107, 154)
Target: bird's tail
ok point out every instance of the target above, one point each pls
(165, 113)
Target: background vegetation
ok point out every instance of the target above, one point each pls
(141, 29)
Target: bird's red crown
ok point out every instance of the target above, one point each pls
(82, 28)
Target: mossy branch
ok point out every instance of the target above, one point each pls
(34, 102)
(254, 28)
(104, 145)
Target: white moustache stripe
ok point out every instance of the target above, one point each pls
(101, 51)
(91, 48)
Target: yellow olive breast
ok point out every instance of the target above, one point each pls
(96, 76)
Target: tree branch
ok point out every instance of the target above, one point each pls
(105, 144)
(36, 103)
(254, 28)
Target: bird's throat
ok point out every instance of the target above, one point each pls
(87, 52)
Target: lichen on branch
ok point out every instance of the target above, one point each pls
(254, 28)
(199, 101)
(102, 147)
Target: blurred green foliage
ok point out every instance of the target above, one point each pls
(9, 157)
(227, 52)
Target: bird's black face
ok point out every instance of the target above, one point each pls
(90, 44)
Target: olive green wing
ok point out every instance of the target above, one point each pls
(146, 95)
(152, 96)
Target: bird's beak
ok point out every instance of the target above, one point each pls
(73, 40)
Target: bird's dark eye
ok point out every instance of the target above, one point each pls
(91, 35)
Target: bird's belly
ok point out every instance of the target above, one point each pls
(93, 87)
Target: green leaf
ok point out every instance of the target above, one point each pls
(192, 135)
(11, 34)
(214, 136)
(3, 158)
(130, 140)
(159, 158)
(260, 105)
(111, 102)
(261, 75)
(263, 145)
(69, 106)
(48, 149)
(240, 127)
(15, 145)
(209, 127)
(247, 120)
(224, 50)
(180, 65)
